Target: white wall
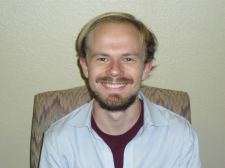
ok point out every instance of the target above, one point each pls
(37, 54)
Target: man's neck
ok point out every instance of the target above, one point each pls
(116, 123)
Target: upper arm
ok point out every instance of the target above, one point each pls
(190, 157)
(49, 154)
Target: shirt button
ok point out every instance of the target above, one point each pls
(105, 149)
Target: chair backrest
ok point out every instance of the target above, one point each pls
(51, 106)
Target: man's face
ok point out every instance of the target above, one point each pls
(115, 65)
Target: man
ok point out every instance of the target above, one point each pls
(119, 127)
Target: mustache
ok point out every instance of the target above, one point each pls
(118, 80)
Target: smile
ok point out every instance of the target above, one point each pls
(113, 85)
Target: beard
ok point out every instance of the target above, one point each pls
(114, 102)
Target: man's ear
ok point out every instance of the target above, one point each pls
(83, 63)
(148, 67)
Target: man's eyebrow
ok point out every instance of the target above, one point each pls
(131, 54)
(106, 55)
(99, 54)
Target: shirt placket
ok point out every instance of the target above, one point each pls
(128, 155)
(107, 153)
(108, 156)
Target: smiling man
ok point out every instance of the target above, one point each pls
(119, 128)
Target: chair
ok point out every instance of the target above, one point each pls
(51, 106)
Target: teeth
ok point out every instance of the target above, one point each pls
(114, 85)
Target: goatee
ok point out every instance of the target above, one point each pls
(114, 102)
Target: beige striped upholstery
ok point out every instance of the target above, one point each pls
(51, 106)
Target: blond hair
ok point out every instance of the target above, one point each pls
(149, 40)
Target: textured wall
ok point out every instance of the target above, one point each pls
(37, 54)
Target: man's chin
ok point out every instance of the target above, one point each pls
(114, 102)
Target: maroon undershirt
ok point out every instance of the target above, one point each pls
(118, 143)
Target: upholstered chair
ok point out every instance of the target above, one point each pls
(51, 106)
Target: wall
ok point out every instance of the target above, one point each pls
(37, 54)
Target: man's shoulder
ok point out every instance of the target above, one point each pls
(160, 116)
(74, 118)
(177, 123)
(171, 116)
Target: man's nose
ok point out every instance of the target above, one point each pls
(115, 69)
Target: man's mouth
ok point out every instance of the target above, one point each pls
(113, 85)
(119, 82)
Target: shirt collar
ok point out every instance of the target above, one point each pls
(152, 115)
(82, 116)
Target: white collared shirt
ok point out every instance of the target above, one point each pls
(166, 140)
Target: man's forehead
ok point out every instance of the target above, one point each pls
(116, 34)
(111, 39)
(106, 26)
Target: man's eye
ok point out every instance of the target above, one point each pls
(102, 59)
(127, 59)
